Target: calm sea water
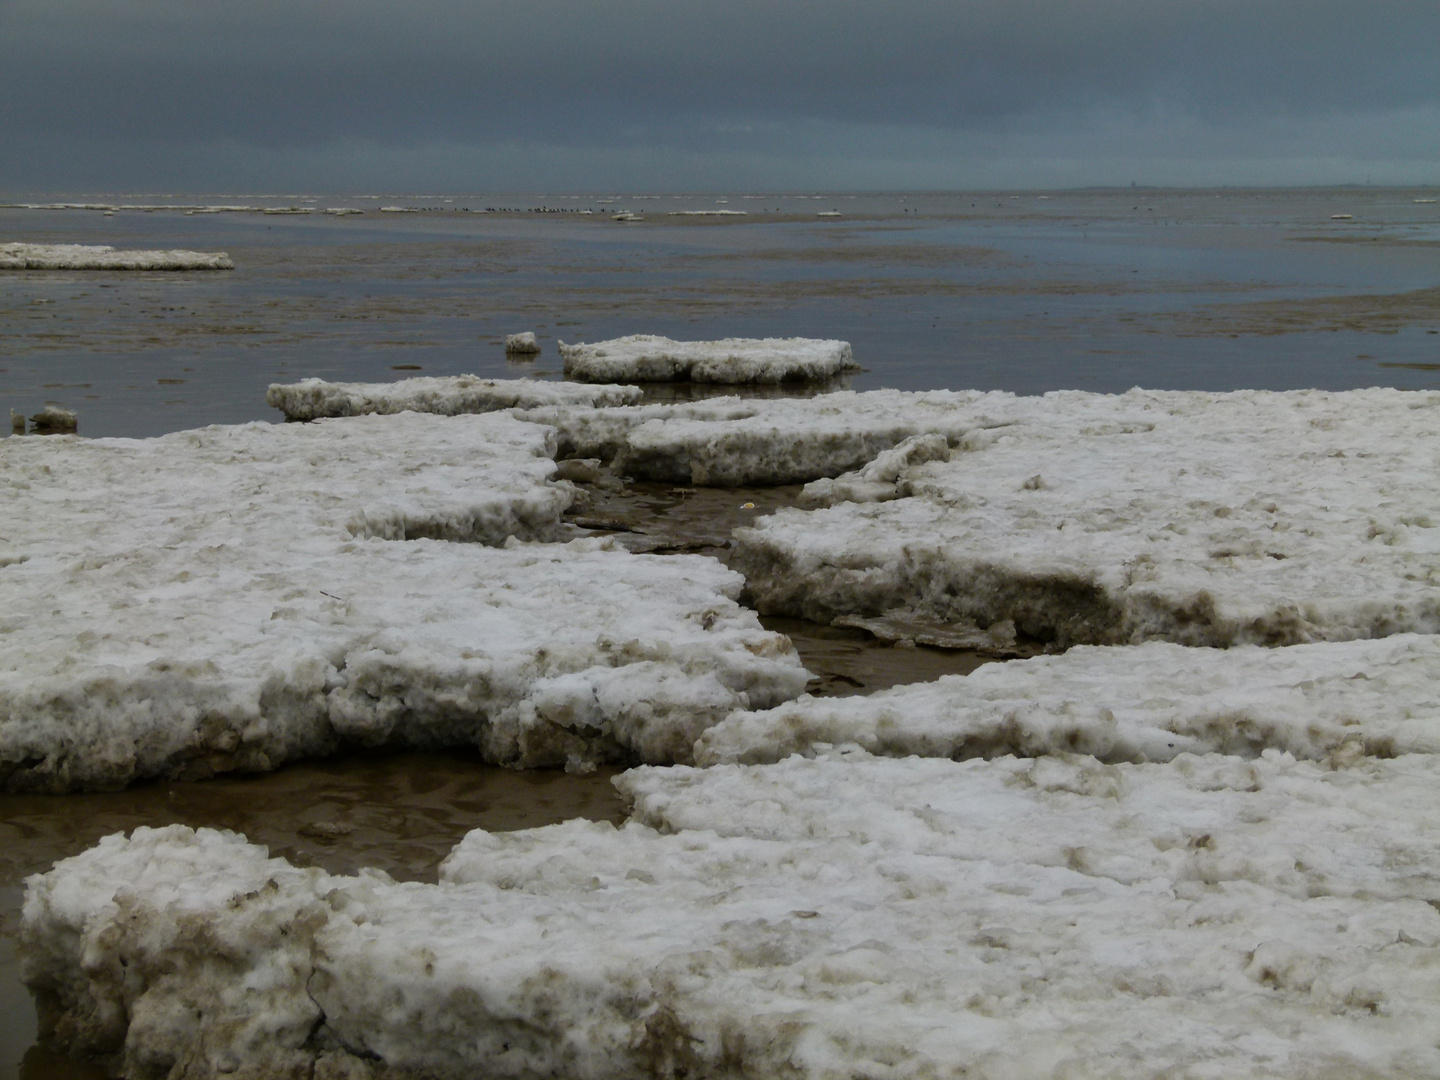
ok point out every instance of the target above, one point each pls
(1091, 290)
(1096, 290)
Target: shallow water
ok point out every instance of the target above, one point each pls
(1085, 290)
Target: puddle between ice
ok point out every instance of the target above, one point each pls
(664, 518)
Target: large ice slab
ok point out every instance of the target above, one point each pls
(1206, 519)
(648, 358)
(101, 257)
(1139, 703)
(733, 442)
(830, 918)
(232, 598)
(445, 395)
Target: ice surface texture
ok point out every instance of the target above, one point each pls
(447, 396)
(848, 916)
(1152, 702)
(648, 358)
(99, 257)
(1205, 519)
(736, 442)
(231, 598)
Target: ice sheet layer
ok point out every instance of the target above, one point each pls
(447, 396)
(847, 916)
(100, 257)
(648, 358)
(235, 597)
(736, 442)
(1328, 702)
(1206, 519)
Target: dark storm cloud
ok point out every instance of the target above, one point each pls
(688, 74)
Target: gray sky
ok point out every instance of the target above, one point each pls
(636, 95)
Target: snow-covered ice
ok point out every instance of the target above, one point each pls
(1152, 702)
(647, 357)
(831, 918)
(734, 441)
(231, 598)
(446, 395)
(1206, 519)
(522, 343)
(100, 257)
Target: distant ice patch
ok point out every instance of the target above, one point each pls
(446, 395)
(100, 257)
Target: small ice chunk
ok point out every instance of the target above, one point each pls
(54, 419)
(448, 396)
(845, 916)
(522, 343)
(17, 423)
(648, 358)
(100, 257)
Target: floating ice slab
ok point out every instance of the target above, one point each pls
(232, 598)
(99, 257)
(816, 918)
(448, 396)
(1206, 519)
(646, 357)
(736, 442)
(522, 343)
(1150, 702)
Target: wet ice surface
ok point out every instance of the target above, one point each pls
(1099, 291)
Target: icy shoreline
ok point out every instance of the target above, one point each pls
(812, 918)
(232, 598)
(1126, 861)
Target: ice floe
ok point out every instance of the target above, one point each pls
(446, 395)
(1152, 702)
(100, 257)
(832, 918)
(1206, 519)
(648, 358)
(231, 598)
(735, 442)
